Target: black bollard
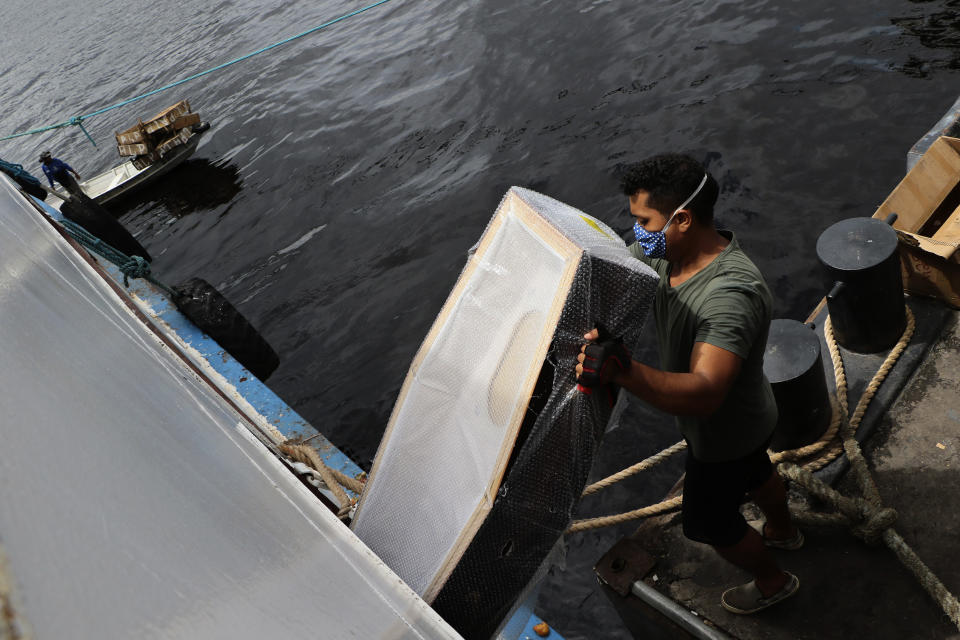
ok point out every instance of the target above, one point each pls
(865, 296)
(794, 367)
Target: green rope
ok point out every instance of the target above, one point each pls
(130, 266)
(17, 172)
(78, 120)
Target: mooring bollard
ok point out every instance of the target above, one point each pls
(794, 367)
(865, 296)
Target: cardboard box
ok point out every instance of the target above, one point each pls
(927, 203)
(151, 140)
(167, 117)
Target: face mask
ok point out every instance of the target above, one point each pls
(654, 243)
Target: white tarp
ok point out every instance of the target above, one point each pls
(134, 503)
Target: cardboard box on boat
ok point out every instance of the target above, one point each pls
(141, 133)
(167, 117)
(133, 136)
(173, 142)
(927, 203)
(186, 120)
(137, 149)
(151, 140)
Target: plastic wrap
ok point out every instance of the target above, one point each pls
(490, 443)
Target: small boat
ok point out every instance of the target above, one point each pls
(154, 146)
(126, 177)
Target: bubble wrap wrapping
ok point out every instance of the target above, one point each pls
(490, 443)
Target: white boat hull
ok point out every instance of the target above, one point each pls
(124, 178)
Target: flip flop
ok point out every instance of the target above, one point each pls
(747, 598)
(790, 544)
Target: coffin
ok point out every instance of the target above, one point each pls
(489, 444)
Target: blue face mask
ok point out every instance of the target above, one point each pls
(654, 243)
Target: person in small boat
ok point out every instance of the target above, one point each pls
(56, 169)
(712, 310)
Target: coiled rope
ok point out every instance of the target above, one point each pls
(866, 516)
(826, 446)
(17, 172)
(130, 266)
(335, 480)
(77, 121)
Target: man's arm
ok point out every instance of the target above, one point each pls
(700, 392)
(70, 169)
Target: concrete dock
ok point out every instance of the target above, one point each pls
(911, 438)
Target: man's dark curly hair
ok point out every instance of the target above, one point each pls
(670, 178)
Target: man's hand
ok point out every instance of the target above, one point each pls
(600, 362)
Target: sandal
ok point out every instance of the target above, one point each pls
(747, 598)
(790, 544)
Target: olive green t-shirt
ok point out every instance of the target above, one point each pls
(728, 305)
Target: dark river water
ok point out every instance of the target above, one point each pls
(346, 174)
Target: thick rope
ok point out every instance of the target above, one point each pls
(664, 506)
(849, 427)
(866, 517)
(130, 266)
(335, 480)
(946, 600)
(826, 445)
(873, 523)
(78, 120)
(643, 465)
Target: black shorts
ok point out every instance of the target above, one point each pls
(713, 493)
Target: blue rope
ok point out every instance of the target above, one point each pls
(78, 120)
(130, 266)
(17, 171)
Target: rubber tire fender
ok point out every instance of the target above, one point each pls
(34, 190)
(101, 223)
(213, 314)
